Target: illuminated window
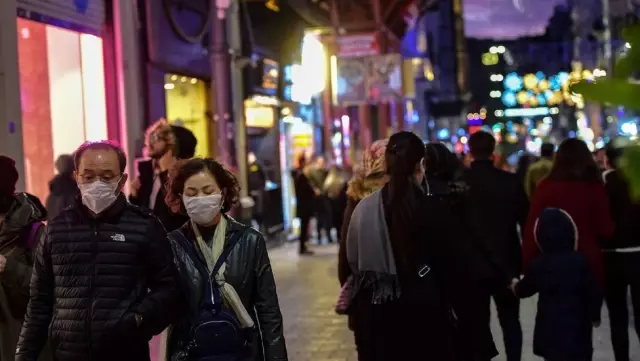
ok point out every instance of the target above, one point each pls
(63, 99)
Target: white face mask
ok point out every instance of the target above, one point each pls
(98, 195)
(203, 209)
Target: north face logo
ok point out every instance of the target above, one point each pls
(118, 237)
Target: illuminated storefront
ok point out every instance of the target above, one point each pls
(186, 102)
(62, 86)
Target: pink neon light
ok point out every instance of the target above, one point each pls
(93, 91)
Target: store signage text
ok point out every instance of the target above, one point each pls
(358, 45)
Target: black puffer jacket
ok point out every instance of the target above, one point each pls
(248, 270)
(90, 277)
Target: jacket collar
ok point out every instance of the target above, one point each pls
(109, 215)
(483, 164)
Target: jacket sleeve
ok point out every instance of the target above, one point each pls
(343, 263)
(267, 306)
(40, 308)
(162, 280)
(602, 213)
(592, 293)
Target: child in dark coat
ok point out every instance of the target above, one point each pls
(569, 298)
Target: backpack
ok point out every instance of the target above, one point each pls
(216, 333)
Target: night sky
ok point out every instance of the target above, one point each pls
(506, 19)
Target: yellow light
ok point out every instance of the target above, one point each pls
(483, 115)
(543, 85)
(586, 74)
(530, 81)
(272, 5)
(463, 140)
(489, 59)
(183, 79)
(522, 97)
(533, 101)
(174, 77)
(194, 80)
(483, 110)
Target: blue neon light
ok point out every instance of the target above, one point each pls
(509, 99)
(513, 82)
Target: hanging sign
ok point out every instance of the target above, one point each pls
(358, 45)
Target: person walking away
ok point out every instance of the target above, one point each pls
(103, 280)
(165, 148)
(305, 202)
(471, 266)
(317, 174)
(574, 185)
(212, 246)
(63, 189)
(399, 305)
(570, 299)
(21, 228)
(369, 177)
(498, 205)
(621, 258)
(540, 169)
(524, 162)
(335, 189)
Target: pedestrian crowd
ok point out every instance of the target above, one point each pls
(425, 242)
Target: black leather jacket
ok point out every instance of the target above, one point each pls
(248, 270)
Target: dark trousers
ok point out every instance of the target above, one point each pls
(304, 231)
(508, 306)
(323, 217)
(622, 271)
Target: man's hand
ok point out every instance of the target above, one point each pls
(134, 187)
(3, 263)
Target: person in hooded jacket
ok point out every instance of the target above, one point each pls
(472, 266)
(63, 188)
(214, 253)
(21, 227)
(570, 299)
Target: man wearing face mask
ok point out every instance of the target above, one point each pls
(103, 280)
(166, 144)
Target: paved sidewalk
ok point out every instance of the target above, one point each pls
(308, 288)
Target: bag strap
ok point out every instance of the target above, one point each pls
(233, 241)
(32, 241)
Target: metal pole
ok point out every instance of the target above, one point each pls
(221, 81)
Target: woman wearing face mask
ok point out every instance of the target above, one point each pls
(231, 311)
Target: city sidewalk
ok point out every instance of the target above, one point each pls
(308, 288)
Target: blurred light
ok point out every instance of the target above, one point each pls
(554, 110)
(495, 94)
(93, 87)
(461, 132)
(513, 82)
(509, 99)
(500, 49)
(599, 73)
(499, 113)
(629, 128)
(443, 133)
(496, 77)
(183, 79)
(463, 140)
(489, 59)
(169, 86)
(493, 50)
(314, 63)
(627, 45)
(174, 77)
(194, 80)
(530, 81)
(526, 112)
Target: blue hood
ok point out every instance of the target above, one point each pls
(555, 231)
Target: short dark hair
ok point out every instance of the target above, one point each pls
(187, 168)
(613, 154)
(101, 144)
(547, 150)
(482, 145)
(574, 162)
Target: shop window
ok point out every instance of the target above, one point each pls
(62, 97)
(186, 100)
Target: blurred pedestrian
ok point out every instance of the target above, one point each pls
(166, 144)
(524, 163)
(335, 189)
(21, 228)
(471, 265)
(103, 280)
(540, 169)
(570, 300)
(232, 310)
(394, 245)
(257, 182)
(369, 177)
(63, 189)
(317, 174)
(305, 202)
(498, 206)
(574, 185)
(621, 257)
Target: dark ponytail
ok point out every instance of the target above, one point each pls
(404, 152)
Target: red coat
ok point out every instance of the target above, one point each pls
(588, 205)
